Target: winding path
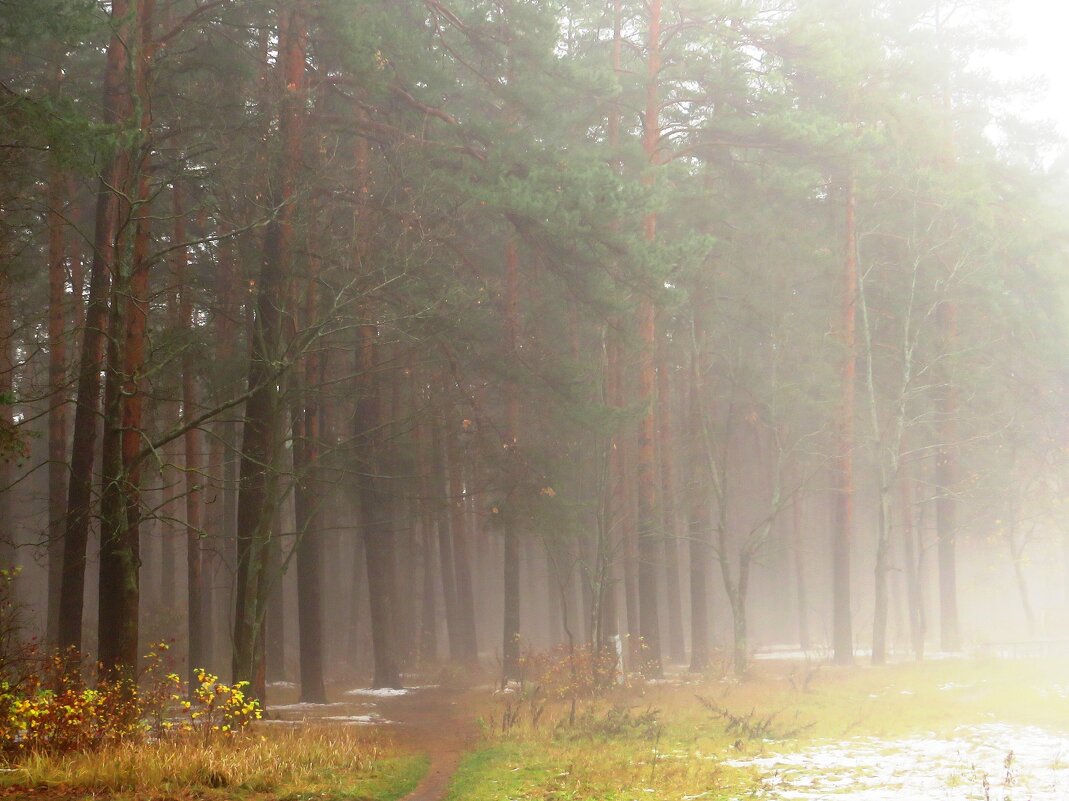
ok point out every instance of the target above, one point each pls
(438, 723)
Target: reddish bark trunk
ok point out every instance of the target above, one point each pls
(120, 561)
(117, 108)
(263, 409)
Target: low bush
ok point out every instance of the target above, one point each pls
(62, 708)
(565, 672)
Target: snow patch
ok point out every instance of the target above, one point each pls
(287, 708)
(387, 692)
(987, 761)
(358, 720)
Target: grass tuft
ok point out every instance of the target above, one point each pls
(320, 762)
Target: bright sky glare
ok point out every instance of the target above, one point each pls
(1042, 25)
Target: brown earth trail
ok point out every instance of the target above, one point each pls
(439, 723)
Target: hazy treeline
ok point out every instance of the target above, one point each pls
(374, 332)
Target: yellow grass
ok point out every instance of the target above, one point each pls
(339, 762)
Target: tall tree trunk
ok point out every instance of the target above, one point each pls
(946, 479)
(263, 409)
(738, 593)
(883, 558)
(171, 475)
(57, 397)
(469, 649)
(195, 592)
(428, 637)
(9, 532)
(510, 649)
(428, 634)
(275, 616)
(308, 499)
(912, 569)
(798, 552)
(120, 561)
(441, 500)
(699, 512)
(224, 440)
(843, 526)
(375, 516)
(645, 468)
(358, 603)
(673, 585)
(604, 623)
(110, 208)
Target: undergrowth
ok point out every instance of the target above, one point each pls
(690, 736)
(322, 762)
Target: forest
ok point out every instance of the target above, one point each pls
(354, 340)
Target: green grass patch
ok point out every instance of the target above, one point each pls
(670, 741)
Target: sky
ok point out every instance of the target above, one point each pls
(1042, 25)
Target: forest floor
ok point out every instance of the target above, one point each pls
(950, 730)
(953, 730)
(440, 724)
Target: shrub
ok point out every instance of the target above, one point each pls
(566, 672)
(215, 708)
(617, 722)
(57, 710)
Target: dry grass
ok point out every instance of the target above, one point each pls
(780, 707)
(336, 761)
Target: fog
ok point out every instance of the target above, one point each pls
(353, 346)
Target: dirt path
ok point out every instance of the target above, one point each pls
(438, 723)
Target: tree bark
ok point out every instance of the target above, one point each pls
(510, 649)
(469, 648)
(263, 409)
(946, 479)
(880, 591)
(308, 499)
(120, 560)
(443, 512)
(843, 525)
(666, 441)
(801, 594)
(375, 516)
(57, 397)
(195, 590)
(110, 208)
(646, 463)
(913, 579)
(699, 512)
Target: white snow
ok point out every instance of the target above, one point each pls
(360, 720)
(387, 692)
(304, 708)
(975, 763)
